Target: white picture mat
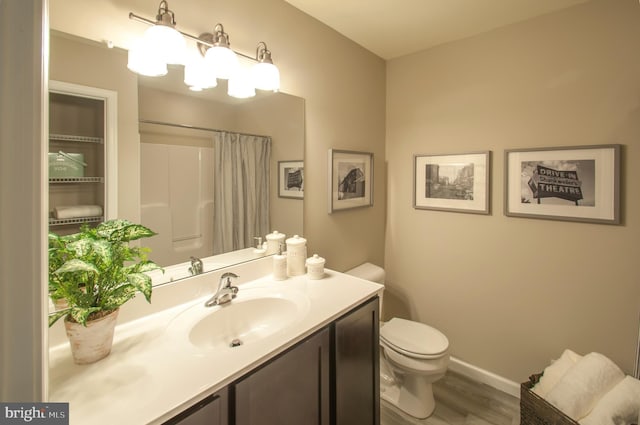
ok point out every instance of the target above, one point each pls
(283, 190)
(338, 157)
(604, 191)
(479, 161)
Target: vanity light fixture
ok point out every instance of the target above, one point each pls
(142, 61)
(219, 55)
(241, 84)
(198, 74)
(149, 56)
(163, 39)
(264, 73)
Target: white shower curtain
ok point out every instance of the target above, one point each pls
(241, 190)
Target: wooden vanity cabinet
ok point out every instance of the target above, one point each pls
(291, 389)
(213, 410)
(357, 367)
(330, 378)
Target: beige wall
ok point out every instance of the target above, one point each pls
(343, 86)
(512, 293)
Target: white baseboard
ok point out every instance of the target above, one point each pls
(484, 376)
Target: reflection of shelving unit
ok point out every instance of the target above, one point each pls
(82, 122)
(76, 180)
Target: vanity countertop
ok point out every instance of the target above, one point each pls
(153, 371)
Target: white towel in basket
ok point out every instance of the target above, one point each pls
(584, 384)
(620, 406)
(556, 370)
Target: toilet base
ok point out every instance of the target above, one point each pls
(415, 398)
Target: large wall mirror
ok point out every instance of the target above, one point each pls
(166, 162)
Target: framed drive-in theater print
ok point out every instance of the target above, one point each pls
(291, 179)
(576, 183)
(454, 182)
(350, 180)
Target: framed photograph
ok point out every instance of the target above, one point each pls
(291, 179)
(577, 183)
(350, 180)
(456, 182)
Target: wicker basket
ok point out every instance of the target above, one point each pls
(535, 410)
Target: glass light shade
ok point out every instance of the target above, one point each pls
(167, 42)
(223, 61)
(198, 74)
(266, 76)
(241, 85)
(143, 61)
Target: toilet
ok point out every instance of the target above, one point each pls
(412, 357)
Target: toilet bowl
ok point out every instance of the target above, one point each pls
(417, 355)
(412, 357)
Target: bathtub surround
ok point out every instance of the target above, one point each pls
(181, 204)
(206, 191)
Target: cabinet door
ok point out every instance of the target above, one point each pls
(357, 367)
(293, 389)
(213, 410)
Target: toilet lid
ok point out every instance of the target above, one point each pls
(413, 338)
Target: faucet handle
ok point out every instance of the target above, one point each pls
(229, 275)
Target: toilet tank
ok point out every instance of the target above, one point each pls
(368, 271)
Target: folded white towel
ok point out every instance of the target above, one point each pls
(76, 211)
(584, 384)
(620, 406)
(555, 371)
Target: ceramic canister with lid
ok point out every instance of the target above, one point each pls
(296, 255)
(315, 267)
(274, 240)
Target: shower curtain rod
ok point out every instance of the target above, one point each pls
(194, 127)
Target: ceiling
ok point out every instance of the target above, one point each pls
(396, 28)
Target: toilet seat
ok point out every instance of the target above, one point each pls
(414, 339)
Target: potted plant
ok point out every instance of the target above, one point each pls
(96, 271)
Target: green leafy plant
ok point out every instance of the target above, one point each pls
(96, 270)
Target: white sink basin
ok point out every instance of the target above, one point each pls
(255, 314)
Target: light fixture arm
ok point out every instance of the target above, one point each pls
(165, 16)
(221, 38)
(263, 54)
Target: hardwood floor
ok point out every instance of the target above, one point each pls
(461, 401)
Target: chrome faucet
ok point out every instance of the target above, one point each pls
(226, 291)
(196, 266)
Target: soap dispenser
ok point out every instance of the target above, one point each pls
(279, 265)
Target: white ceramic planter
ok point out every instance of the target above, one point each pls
(93, 342)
